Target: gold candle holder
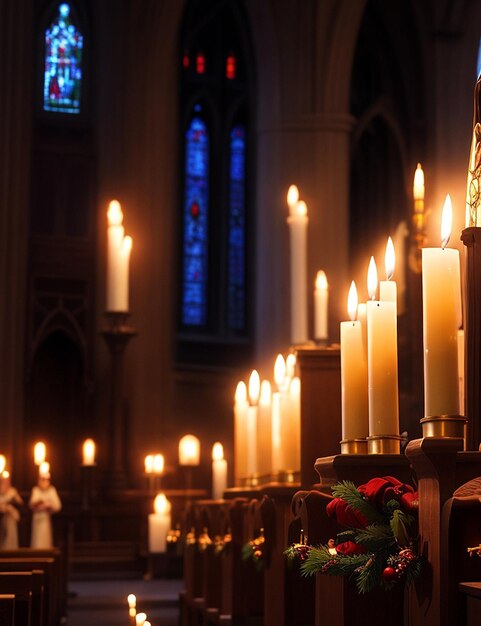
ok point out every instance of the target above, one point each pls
(452, 426)
(353, 446)
(384, 444)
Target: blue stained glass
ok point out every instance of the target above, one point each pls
(196, 221)
(63, 64)
(237, 262)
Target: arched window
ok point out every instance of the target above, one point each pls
(62, 82)
(217, 111)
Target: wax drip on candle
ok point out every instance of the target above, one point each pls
(446, 221)
(352, 302)
(372, 279)
(389, 259)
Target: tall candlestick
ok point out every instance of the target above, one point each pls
(264, 430)
(291, 426)
(254, 391)
(159, 524)
(382, 371)
(277, 444)
(354, 381)
(219, 471)
(441, 303)
(297, 221)
(321, 307)
(118, 255)
(241, 406)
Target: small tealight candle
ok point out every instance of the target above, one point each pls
(88, 452)
(189, 450)
(39, 453)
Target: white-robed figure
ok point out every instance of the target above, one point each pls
(10, 515)
(44, 501)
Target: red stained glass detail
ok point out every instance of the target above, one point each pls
(194, 210)
(230, 67)
(200, 63)
(185, 60)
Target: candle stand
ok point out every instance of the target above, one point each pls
(117, 334)
(471, 237)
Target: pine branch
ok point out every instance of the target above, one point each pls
(369, 576)
(346, 535)
(375, 537)
(321, 560)
(399, 527)
(414, 570)
(347, 491)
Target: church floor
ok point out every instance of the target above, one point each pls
(104, 602)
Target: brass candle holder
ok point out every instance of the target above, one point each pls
(353, 446)
(384, 444)
(452, 426)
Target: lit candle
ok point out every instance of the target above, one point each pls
(388, 288)
(132, 601)
(418, 191)
(44, 469)
(189, 450)
(277, 448)
(290, 369)
(291, 426)
(39, 452)
(118, 255)
(140, 619)
(297, 221)
(320, 306)
(88, 452)
(461, 369)
(219, 471)
(3, 463)
(254, 391)
(354, 389)
(158, 464)
(362, 317)
(382, 362)
(159, 524)
(441, 320)
(149, 464)
(264, 430)
(241, 406)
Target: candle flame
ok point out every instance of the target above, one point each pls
(149, 464)
(189, 450)
(161, 504)
(3, 462)
(292, 196)
(132, 601)
(290, 365)
(88, 452)
(241, 392)
(217, 451)
(389, 259)
(265, 397)
(114, 213)
(158, 464)
(300, 208)
(39, 452)
(44, 469)
(295, 386)
(446, 221)
(140, 619)
(254, 387)
(279, 370)
(5, 474)
(418, 186)
(372, 279)
(352, 301)
(321, 280)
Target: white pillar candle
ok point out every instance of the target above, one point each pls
(88, 452)
(122, 294)
(264, 430)
(291, 426)
(297, 221)
(254, 391)
(277, 405)
(115, 235)
(241, 406)
(461, 369)
(159, 524)
(219, 471)
(388, 287)
(441, 304)
(382, 362)
(39, 453)
(189, 450)
(354, 387)
(321, 306)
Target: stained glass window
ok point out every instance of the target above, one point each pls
(236, 255)
(63, 64)
(196, 221)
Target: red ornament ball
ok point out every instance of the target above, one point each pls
(389, 575)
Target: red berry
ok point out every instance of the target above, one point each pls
(389, 575)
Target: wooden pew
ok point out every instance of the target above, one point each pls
(28, 591)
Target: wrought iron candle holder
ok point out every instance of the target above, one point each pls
(117, 335)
